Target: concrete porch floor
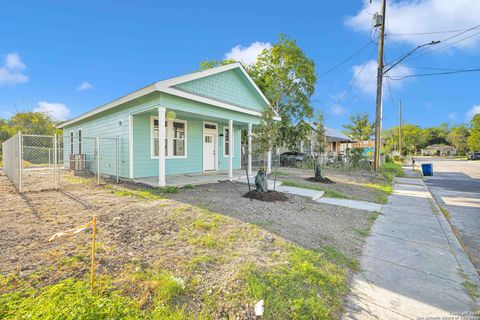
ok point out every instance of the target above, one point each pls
(180, 180)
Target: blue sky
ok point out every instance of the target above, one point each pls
(71, 56)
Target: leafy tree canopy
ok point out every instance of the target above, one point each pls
(28, 123)
(457, 137)
(360, 128)
(473, 140)
(413, 138)
(287, 78)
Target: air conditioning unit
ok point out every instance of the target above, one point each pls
(78, 162)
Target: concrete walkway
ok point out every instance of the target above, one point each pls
(353, 204)
(412, 266)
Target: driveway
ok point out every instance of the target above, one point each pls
(456, 185)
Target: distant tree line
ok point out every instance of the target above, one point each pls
(27, 123)
(462, 137)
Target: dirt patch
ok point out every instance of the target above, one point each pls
(321, 180)
(269, 196)
(305, 222)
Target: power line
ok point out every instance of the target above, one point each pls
(432, 74)
(433, 68)
(431, 32)
(442, 41)
(447, 45)
(347, 59)
(356, 77)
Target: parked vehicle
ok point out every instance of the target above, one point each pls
(294, 159)
(474, 156)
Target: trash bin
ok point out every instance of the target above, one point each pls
(427, 169)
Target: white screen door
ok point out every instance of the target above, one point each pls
(208, 152)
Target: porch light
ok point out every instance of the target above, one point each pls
(171, 115)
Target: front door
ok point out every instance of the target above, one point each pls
(208, 151)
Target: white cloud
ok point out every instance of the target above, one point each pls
(366, 76)
(337, 109)
(452, 116)
(473, 111)
(11, 71)
(84, 86)
(419, 16)
(247, 55)
(57, 111)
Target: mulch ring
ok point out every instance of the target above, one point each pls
(269, 196)
(321, 180)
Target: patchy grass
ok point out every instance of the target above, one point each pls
(362, 233)
(77, 180)
(328, 192)
(384, 191)
(148, 194)
(306, 286)
(188, 186)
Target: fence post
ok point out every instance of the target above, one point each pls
(20, 160)
(116, 157)
(55, 160)
(97, 143)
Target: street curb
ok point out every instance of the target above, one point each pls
(462, 258)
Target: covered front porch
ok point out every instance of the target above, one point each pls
(177, 147)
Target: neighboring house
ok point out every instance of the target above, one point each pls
(368, 147)
(439, 150)
(337, 142)
(183, 125)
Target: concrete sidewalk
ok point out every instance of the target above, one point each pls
(412, 265)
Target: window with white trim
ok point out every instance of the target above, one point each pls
(226, 142)
(175, 138)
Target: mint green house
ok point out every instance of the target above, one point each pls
(184, 125)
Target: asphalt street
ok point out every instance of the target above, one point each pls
(456, 186)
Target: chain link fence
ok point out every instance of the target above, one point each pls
(40, 162)
(11, 150)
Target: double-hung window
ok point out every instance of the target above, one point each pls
(175, 138)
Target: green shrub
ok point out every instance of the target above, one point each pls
(391, 169)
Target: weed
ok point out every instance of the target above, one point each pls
(445, 213)
(77, 180)
(362, 233)
(188, 186)
(472, 289)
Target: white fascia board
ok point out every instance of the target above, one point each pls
(134, 95)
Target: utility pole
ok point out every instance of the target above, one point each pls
(400, 131)
(378, 110)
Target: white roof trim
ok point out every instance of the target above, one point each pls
(166, 87)
(129, 97)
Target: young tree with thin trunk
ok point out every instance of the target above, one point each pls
(319, 146)
(266, 136)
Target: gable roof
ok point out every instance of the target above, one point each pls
(168, 86)
(332, 134)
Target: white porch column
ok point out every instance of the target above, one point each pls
(249, 164)
(269, 161)
(230, 149)
(161, 146)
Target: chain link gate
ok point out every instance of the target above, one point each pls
(41, 162)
